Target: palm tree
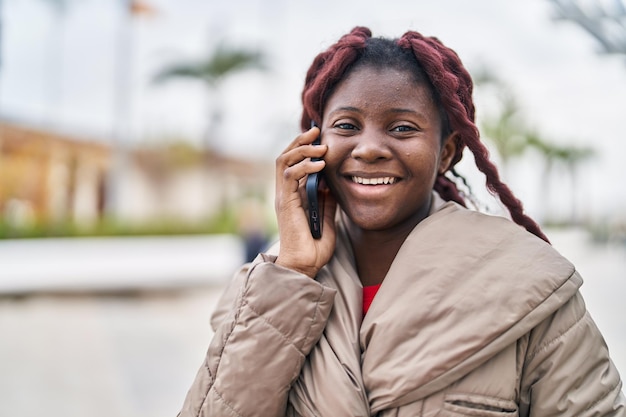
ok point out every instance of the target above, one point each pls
(120, 138)
(568, 157)
(512, 137)
(221, 63)
(507, 132)
(505, 128)
(55, 64)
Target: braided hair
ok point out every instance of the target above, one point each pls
(431, 64)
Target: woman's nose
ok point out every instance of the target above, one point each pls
(370, 146)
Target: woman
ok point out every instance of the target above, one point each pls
(473, 315)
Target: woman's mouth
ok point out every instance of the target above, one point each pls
(374, 181)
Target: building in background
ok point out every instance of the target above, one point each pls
(47, 177)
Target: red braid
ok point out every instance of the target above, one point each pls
(327, 70)
(454, 86)
(447, 190)
(450, 80)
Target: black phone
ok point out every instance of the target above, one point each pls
(315, 208)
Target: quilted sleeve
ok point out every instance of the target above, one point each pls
(260, 346)
(568, 371)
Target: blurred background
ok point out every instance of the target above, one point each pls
(137, 141)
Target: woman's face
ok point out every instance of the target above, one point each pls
(384, 148)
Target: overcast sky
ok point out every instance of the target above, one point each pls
(59, 70)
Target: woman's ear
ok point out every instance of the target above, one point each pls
(448, 150)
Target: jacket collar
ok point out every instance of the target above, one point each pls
(454, 296)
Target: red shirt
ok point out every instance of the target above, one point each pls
(369, 293)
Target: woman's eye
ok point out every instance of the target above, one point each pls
(403, 128)
(345, 126)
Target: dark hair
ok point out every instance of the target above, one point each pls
(432, 64)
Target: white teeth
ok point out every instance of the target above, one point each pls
(374, 181)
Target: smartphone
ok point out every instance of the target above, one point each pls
(315, 208)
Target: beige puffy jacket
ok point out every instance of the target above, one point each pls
(476, 317)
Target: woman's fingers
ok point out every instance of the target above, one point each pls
(293, 177)
(305, 138)
(295, 156)
(298, 250)
(295, 163)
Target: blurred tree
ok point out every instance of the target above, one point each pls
(505, 127)
(129, 11)
(605, 21)
(1, 31)
(568, 157)
(507, 132)
(212, 70)
(55, 58)
(512, 137)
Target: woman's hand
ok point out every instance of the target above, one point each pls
(298, 249)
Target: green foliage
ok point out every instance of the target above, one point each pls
(219, 64)
(506, 130)
(212, 70)
(566, 155)
(512, 137)
(223, 222)
(511, 134)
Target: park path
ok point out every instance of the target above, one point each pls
(133, 352)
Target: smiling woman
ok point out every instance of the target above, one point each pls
(410, 304)
(385, 150)
(376, 129)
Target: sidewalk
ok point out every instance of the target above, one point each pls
(135, 354)
(116, 264)
(107, 327)
(102, 356)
